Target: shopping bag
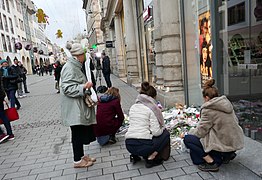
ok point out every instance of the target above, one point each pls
(11, 114)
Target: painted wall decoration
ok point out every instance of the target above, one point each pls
(205, 46)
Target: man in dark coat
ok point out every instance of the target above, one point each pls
(106, 69)
(58, 69)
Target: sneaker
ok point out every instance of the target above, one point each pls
(86, 158)
(208, 167)
(83, 164)
(229, 158)
(3, 137)
(11, 137)
(24, 95)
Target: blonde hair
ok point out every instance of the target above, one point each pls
(209, 90)
(113, 91)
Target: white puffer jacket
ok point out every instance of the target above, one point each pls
(143, 123)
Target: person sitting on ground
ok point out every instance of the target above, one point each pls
(109, 116)
(147, 135)
(218, 135)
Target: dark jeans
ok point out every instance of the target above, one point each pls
(13, 100)
(145, 147)
(25, 86)
(107, 79)
(197, 151)
(5, 120)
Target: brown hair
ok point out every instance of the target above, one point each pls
(113, 91)
(209, 90)
(147, 89)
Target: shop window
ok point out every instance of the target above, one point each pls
(236, 14)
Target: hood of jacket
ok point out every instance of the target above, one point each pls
(220, 104)
(107, 98)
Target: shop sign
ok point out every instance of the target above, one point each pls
(147, 14)
(109, 44)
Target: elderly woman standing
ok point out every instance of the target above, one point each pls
(75, 113)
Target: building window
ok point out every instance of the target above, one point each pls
(1, 22)
(5, 24)
(7, 6)
(9, 44)
(236, 14)
(21, 24)
(18, 6)
(4, 43)
(16, 23)
(11, 26)
(13, 44)
(3, 4)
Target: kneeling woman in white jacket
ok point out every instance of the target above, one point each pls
(146, 135)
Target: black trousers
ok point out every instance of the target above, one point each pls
(145, 147)
(107, 79)
(81, 135)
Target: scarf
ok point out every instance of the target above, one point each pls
(5, 71)
(88, 76)
(151, 104)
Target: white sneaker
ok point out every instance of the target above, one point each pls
(20, 96)
(23, 95)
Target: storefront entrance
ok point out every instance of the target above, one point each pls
(240, 50)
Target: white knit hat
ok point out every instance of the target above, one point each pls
(75, 48)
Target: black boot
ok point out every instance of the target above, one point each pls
(152, 163)
(134, 159)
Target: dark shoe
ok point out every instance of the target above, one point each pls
(229, 158)
(27, 92)
(208, 167)
(134, 159)
(112, 140)
(152, 163)
(58, 92)
(18, 107)
(3, 137)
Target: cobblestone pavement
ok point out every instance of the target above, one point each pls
(42, 148)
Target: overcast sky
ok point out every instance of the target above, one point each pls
(66, 15)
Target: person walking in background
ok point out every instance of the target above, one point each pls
(109, 116)
(10, 80)
(147, 135)
(17, 68)
(9, 134)
(24, 72)
(50, 69)
(75, 113)
(57, 74)
(217, 135)
(106, 69)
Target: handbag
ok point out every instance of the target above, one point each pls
(11, 113)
